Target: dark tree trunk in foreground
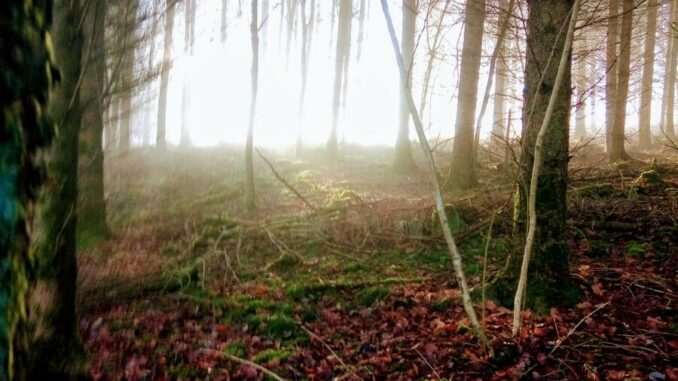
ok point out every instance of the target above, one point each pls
(617, 151)
(58, 350)
(462, 171)
(548, 282)
(644, 127)
(250, 203)
(92, 206)
(160, 141)
(403, 161)
(611, 63)
(24, 130)
(340, 63)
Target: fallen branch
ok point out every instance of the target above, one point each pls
(244, 362)
(432, 171)
(282, 180)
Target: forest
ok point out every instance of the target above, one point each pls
(338, 190)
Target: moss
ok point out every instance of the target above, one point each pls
(443, 304)
(268, 355)
(356, 268)
(236, 348)
(636, 249)
(285, 263)
(370, 295)
(281, 327)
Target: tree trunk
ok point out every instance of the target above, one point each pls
(128, 79)
(611, 74)
(58, 351)
(403, 161)
(26, 60)
(341, 58)
(361, 28)
(548, 282)
(224, 20)
(667, 65)
(189, 42)
(498, 114)
(671, 97)
(161, 141)
(304, 71)
(462, 171)
(92, 207)
(250, 203)
(580, 115)
(617, 151)
(644, 126)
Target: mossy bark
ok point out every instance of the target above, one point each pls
(92, 206)
(26, 73)
(549, 282)
(58, 352)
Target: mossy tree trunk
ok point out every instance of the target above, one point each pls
(617, 151)
(462, 170)
(92, 206)
(403, 161)
(549, 282)
(57, 349)
(24, 130)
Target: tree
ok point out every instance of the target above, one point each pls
(616, 150)
(92, 207)
(580, 115)
(24, 130)
(224, 20)
(189, 41)
(644, 129)
(160, 141)
(128, 26)
(340, 68)
(671, 96)
(611, 58)
(306, 36)
(403, 161)
(462, 171)
(58, 351)
(250, 203)
(499, 117)
(548, 283)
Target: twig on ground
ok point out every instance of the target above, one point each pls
(282, 180)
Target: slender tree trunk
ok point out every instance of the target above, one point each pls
(671, 97)
(341, 58)
(224, 20)
(462, 171)
(361, 28)
(23, 102)
(644, 126)
(149, 88)
(189, 42)
(580, 115)
(128, 78)
(58, 350)
(250, 203)
(92, 207)
(548, 283)
(333, 18)
(617, 151)
(403, 161)
(304, 72)
(611, 74)
(667, 65)
(161, 141)
(499, 117)
(291, 20)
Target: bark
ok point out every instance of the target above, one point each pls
(340, 62)
(498, 114)
(611, 58)
(250, 203)
(580, 115)
(540, 16)
(92, 206)
(432, 172)
(644, 126)
(462, 171)
(189, 42)
(548, 282)
(58, 351)
(671, 97)
(669, 49)
(617, 151)
(160, 141)
(24, 131)
(403, 161)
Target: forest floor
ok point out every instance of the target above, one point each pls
(359, 285)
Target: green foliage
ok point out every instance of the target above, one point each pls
(636, 249)
(268, 355)
(236, 348)
(371, 295)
